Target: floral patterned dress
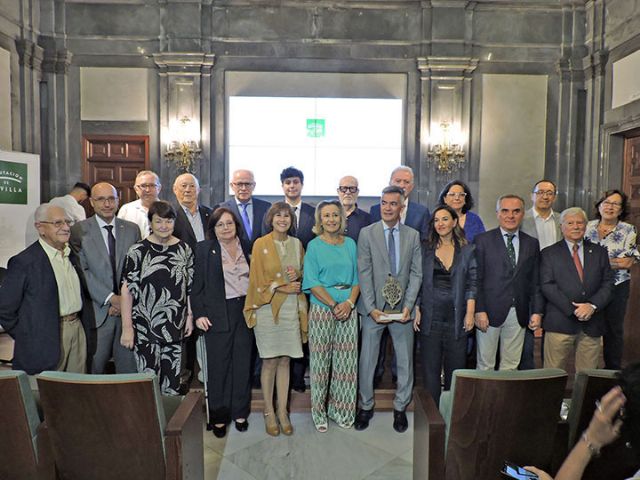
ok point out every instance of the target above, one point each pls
(159, 279)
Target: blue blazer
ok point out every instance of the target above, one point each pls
(500, 286)
(260, 209)
(417, 217)
(208, 297)
(561, 286)
(29, 310)
(463, 285)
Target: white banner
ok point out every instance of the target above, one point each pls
(19, 197)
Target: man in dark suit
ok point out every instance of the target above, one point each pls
(192, 218)
(577, 282)
(190, 227)
(509, 298)
(249, 211)
(292, 181)
(102, 243)
(357, 218)
(414, 215)
(44, 302)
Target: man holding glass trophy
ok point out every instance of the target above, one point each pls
(390, 275)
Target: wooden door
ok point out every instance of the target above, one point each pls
(631, 185)
(116, 159)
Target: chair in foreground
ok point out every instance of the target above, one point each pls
(615, 461)
(116, 427)
(487, 418)
(19, 429)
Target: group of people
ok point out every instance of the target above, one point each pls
(321, 283)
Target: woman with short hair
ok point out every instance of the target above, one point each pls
(157, 276)
(220, 283)
(619, 238)
(276, 309)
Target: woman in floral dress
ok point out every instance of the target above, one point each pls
(156, 316)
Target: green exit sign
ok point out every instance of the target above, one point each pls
(315, 127)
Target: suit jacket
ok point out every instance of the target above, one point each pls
(182, 228)
(500, 286)
(307, 221)
(529, 224)
(208, 297)
(87, 241)
(561, 286)
(374, 268)
(463, 286)
(260, 209)
(417, 217)
(29, 310)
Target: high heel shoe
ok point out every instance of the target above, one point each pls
(285, 425)
(270, 424)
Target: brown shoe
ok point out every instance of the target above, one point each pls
(285, 425)
(270, 424)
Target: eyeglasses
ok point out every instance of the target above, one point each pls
(342, 189)
(224, 224)
(246, 185)
(456, 194)
(147, 186)
(545, 193)
(612, 204)
(59, 223)
(105, 199)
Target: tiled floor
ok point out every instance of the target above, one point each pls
(376, 453)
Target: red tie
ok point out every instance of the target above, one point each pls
(576, 260)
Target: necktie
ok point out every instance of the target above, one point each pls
(245, 220)
(576, 261)
(511, 251)
(392, 251)
(111, 240)
(295, 218)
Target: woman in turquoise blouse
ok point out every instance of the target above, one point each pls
(331, 277)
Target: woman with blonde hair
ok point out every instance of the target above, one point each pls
(331, 277)
(276, 309)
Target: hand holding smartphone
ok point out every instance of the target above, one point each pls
(511, 470)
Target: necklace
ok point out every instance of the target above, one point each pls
(154, 246)
(606, 230)
(332, 240)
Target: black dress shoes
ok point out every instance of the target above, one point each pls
(242, 426)
(299, 387)
(362, 419)
(400, 423)
(219, 432)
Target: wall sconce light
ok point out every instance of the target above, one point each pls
(445, 154)
(183, 149)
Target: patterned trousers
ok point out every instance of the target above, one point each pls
(333, 355)
(163, 360)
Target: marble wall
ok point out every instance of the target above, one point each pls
(5, 100)
(513, 138)
(443, 48)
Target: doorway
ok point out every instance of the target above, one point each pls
(115, 159)
(631, 187)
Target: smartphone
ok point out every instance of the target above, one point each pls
(514, 471)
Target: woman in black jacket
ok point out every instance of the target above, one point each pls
(220, 283)
(447, 302)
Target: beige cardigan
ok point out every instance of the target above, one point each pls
(265, 275)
